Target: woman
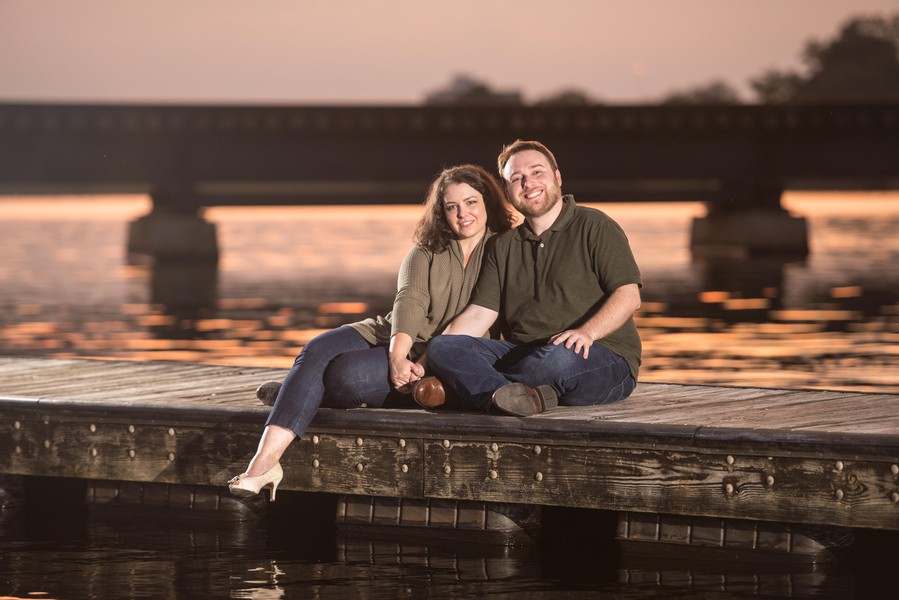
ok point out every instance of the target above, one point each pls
(368, 362)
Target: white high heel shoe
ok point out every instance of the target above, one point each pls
(243, 485)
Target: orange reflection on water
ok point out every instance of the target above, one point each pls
(340, 308)
(242, 303)
(31, 328)
(140, 309)
(672, 322)
(853, 291)
(776, 329)
(747, 304)
(115, 207)
(710, 296)
(226, 324)
(300, 337)
(815, 315)
(279, 320)
(155, 320)
(653, 307)
(29, 309)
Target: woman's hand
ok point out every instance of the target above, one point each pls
(404, 372)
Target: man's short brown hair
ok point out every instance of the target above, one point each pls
(520, 146)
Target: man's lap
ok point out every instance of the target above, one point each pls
(600, 378)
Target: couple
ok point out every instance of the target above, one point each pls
(562, 288)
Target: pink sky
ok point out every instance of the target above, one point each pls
(397, 51)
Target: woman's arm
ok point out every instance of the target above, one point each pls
(402, 371)
(410, 306)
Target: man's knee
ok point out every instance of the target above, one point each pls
(557, 359)
(443, 344)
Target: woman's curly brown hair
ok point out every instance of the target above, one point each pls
(433, 232)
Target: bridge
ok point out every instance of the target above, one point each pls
(737, 159)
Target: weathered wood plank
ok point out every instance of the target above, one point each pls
(775, 489)
(751, 453)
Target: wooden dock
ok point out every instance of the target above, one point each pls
(778, 455)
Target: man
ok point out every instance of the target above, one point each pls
(565, 287)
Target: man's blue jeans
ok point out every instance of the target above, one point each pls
(474, 368)
(336, 369)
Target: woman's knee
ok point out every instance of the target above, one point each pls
(340, 391)
(351, 381)
(329, 344)
(312, 348)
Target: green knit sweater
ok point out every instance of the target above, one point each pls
(431, 290)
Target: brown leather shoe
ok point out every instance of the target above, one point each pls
(523, 401)
(268, 392)
(428, 392)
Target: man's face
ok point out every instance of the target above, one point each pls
(534, 188)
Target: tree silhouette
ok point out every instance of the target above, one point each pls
(465, 90)
(861, 63)
(714, 92)
(567, 97)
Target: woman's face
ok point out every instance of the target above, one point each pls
(463, 207)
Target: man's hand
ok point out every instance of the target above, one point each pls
(613, 313)
(577, 339)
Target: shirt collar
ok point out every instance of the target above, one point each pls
(562, 221)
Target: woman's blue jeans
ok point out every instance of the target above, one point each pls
(336, 369)
(474, 368)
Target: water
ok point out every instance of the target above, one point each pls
(53, 549)
(67, 290)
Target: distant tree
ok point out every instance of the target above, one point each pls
(466, 90)
(861, 62)
(567, 97)
(713, 92)
(776, 87)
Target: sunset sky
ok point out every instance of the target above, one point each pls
(397, 51)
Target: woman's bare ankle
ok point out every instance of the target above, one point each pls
(259, 465)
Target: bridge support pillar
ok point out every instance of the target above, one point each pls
(172, 235)
(750, 231)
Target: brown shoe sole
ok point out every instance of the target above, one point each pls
(522, 401)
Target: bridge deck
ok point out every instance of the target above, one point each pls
(819, 457)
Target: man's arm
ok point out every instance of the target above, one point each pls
(475, 320)
(614, 313)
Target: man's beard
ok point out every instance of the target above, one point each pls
(552, 195)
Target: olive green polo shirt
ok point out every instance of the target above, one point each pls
(541, 286)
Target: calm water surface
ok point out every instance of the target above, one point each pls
(68, 290)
